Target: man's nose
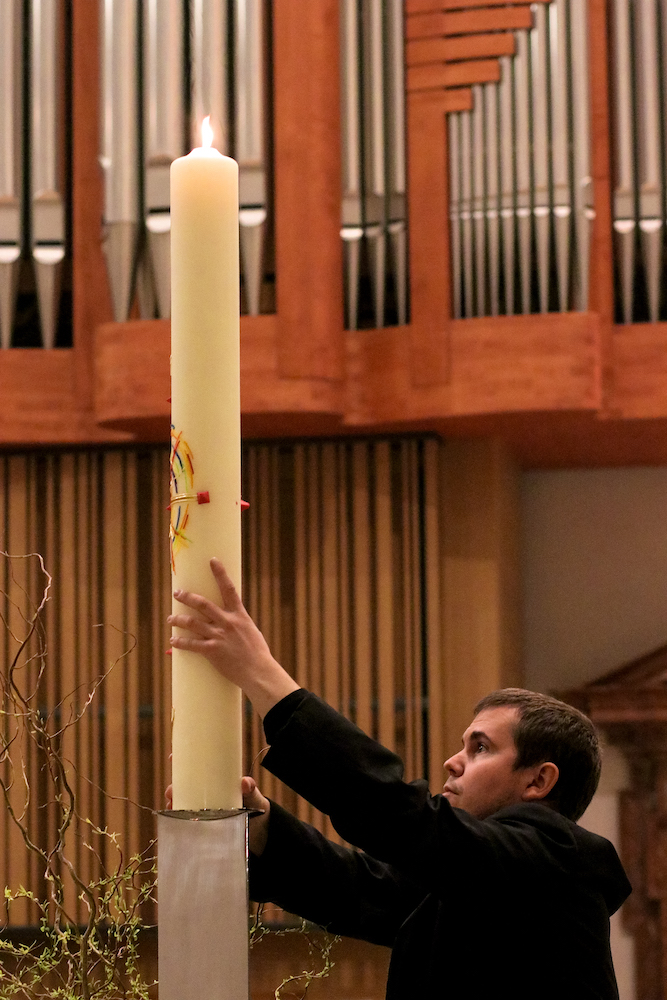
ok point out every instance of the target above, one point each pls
(454, 764)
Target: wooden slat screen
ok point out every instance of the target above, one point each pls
(341, 572)
(348, 532)
(99, 519)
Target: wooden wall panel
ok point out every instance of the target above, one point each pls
(85, 512)
(380, 570)
(479, 574)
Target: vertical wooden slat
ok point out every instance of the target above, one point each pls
(270, 496)
(260, 573)
(114, 645)
(416, 615)
(18, 866)
(48, 506)
(314, 596)
(330, 576)
(434, 612)
(328, 553)
(344, 577)
(363, 659)
(385, 595)
(250, 577)
(273, 551)
(127, 503)
(264, 570)
(4, 649)
(85, 526)
(314, 495)
(410, 687)
(66, 584)
(161, 591)
(302, 665)
(36, 815)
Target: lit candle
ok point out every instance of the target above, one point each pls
(205, 461)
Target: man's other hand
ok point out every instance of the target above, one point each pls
(258, 826)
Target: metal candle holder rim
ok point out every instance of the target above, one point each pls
(196, 815)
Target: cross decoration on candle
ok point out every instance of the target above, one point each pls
(205, 459)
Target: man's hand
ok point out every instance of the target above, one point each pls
(230, 640)
(258, 826)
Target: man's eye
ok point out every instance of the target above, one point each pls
(480, 747)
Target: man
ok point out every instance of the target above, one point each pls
(490, 887)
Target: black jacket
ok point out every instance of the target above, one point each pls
(514, 905)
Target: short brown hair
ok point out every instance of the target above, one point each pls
(551, 730)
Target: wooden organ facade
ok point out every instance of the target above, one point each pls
(559, 388)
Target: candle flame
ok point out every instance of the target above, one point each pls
(206, 133)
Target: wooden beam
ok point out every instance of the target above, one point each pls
(309, 270)
(428, 243)
(430, 6)
(466, 22)
(456, 74)
(436, 50)
(601, 295)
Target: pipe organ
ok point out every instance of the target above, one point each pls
(520, 184)
(639, 92)
(373, 157)
(33, 157)
(520, 188)
(186, 60)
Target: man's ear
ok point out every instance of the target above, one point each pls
(543, 779)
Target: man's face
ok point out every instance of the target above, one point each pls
(481, 776)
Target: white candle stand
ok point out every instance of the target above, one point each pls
(203, 905)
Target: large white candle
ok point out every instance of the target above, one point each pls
(205, 459)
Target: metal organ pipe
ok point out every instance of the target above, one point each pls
(250, 142)
(396, 166)
(373, 156)
(164, 139)
(649, 150)
(624, 196)
(507, 179)
(47, 207)
(491, 115)
(119, 153)
(560, 165)
(373, 103)
(582, 187)
(523, 196)
(11, 177)
(209, 65)
(525, 161)
(453, 127)
(639, 75)
(352, 218)
(541, 186)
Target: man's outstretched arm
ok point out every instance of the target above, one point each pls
(229, 639)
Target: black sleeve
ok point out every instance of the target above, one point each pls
(279, 715)
(359, 784)
(341, 889)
